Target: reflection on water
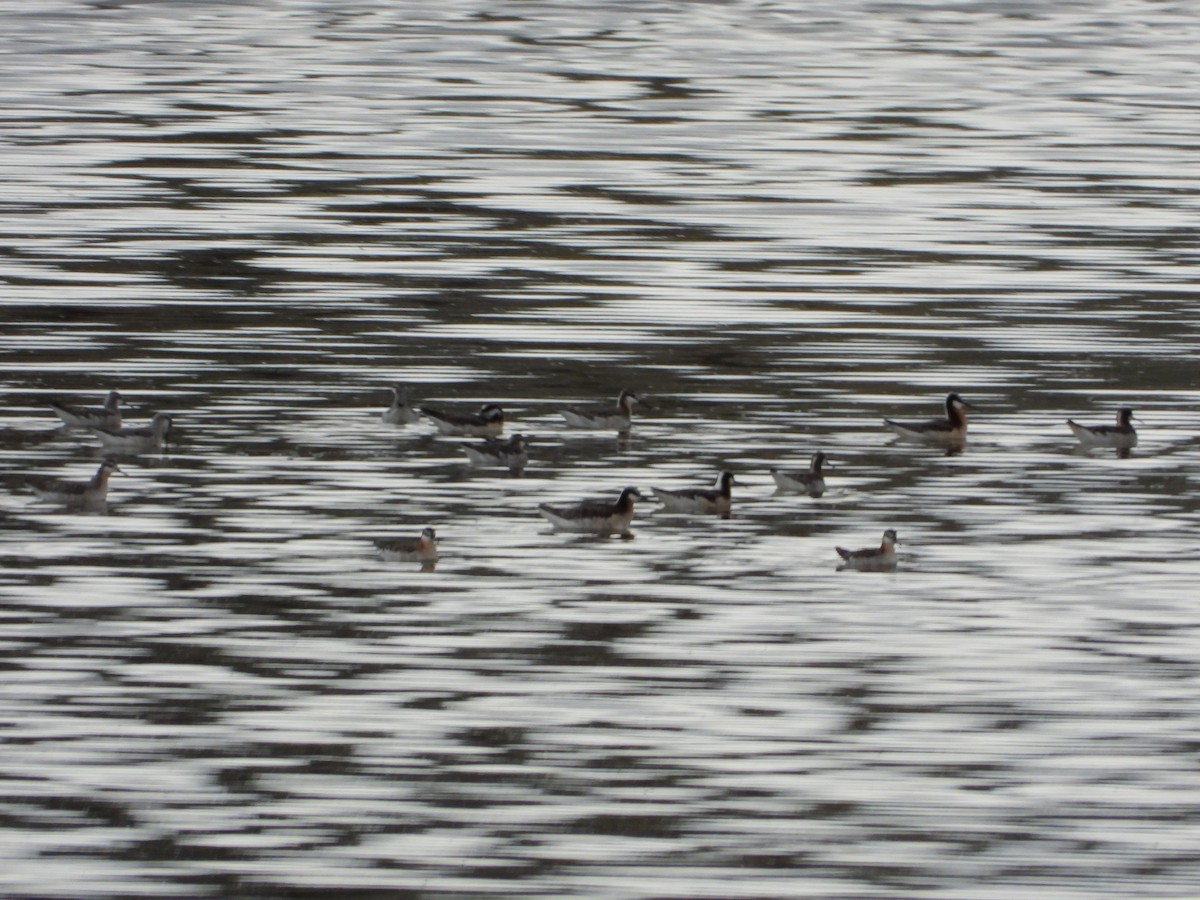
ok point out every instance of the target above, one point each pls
(779, 226)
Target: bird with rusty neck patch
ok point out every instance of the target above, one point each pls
(619, 417)
(422, 549)
(872, 559)
(951, 430)
(79, 496)
(594, 516)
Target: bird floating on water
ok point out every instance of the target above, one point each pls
(423, 549)
(950, 430)
(400, 413)
(594, 516)
(136, 440)
(1122, 435)
(107, 416)
(510, 454)
(619, 417)
(488, 422)
(717, 499)
(872, 559)
(80, 496)
(811, 482)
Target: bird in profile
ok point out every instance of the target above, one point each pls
(107, 416)
(79, 496)
(872, 559)
(619, 417)
(717, 499)
(422, 549)
(136, 440)
(951, 430)
(1122, 435)
(488, 422)
(594, 516)
(811, 482)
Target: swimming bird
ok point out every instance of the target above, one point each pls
(619, 417)
(136, 440)
(421, 549)
(511, 454)
(872, 559)
(950, 430)
(80, 496)
(108, 416)
(698, 500)
(400, 413)
(1122, 435)
(594, 516)
(488, 422)
(811, 482)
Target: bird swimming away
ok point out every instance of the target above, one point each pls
(107, 416)
(510, 454)
(717, 499)
(619, 417)
(80, 496)
(136, 440)
(400, 413)
(1122, 435)
(872, 559)
(488, 422)
(949, 430)
(594, 516)
(811, 482)
(421, 549)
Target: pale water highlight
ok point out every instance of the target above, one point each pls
(778, 225)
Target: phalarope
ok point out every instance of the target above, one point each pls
(811, 482)
(400, 413)
(488, 422)
(511, 454)
(872, 559)
(594, 516)
(108, 416)
(950, 430)
(1121, 436)
(419, 549)
(619, 417)
(136, 440)
(80, 496)
(699, 500)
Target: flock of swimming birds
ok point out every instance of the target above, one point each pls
(600, 517)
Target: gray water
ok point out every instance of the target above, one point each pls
(780, 222)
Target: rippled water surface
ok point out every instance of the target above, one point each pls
(780, 223)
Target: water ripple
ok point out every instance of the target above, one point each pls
(778, 225)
